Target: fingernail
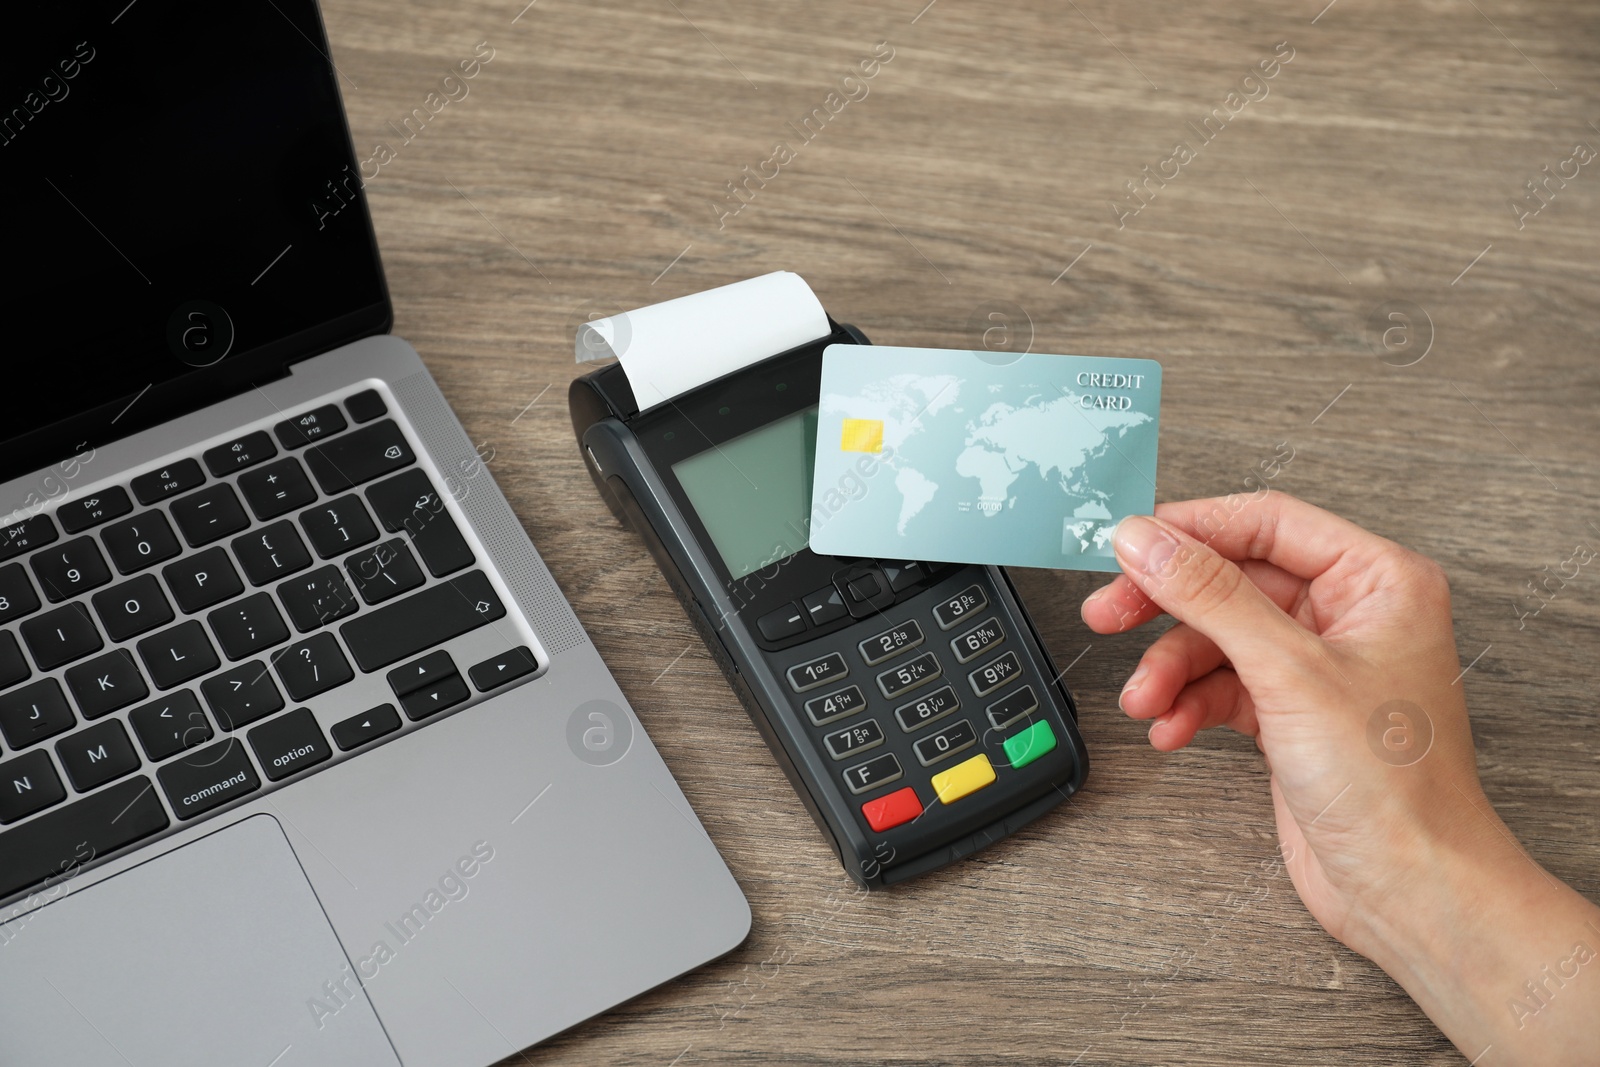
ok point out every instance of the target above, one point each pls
(1083, 609)
(1133, 683)
(1144, 544)
(1162, 721)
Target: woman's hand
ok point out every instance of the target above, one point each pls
(1334, 649)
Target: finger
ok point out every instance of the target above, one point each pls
(1183, 653)
(1195, 585)
(1119, 606)
(1218, 699)
(1301, 538)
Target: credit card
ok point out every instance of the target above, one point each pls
(982, 457)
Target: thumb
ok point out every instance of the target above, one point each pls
(1192, 583)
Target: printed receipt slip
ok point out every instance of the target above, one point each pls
(982, 457)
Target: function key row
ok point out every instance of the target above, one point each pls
(869, 589)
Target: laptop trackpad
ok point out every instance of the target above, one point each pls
(217, 952)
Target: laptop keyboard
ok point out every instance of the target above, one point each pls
(161, 639)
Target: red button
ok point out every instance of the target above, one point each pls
(890, 811)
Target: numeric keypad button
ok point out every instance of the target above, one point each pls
(992, 676)
(857, 737)
(69, 569)
(875, 772)
(829, 668)
(945, 742)
(832, 706)
(957, 608)
(891, 642)
(142, 541)
(978, 640)
(919, 713)
(910, 674)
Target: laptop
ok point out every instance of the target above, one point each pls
(304, 757)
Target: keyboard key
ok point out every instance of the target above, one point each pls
(33, 713)
(1036, 741)
(132, 608)
(277, 488)
(28, 534)
(97, 755)
(271, 553)
(176, 655)
(140, 542)
(312, 666)
(887, 812)
(76, 516)
(17, 597)
(943, 743)
(106, 683)
(61, 636)
(209, 514)
(365, 405)
(963, 779)
(435, 698)
(359, 456)
(978, 640)
(316, 599)
(204, 579)
(431, 668)
(248, 626)
(384, 572)
(207, 778)
(1013, 706)
(289, 743)
(180, 477)
(890, 643)
(338, 526)
(857, 737)
(903, 576)
(823, 669)
(873, 773)
(408, 502)
(422, 620)
(69, 569)
(242, 695)
(13, 664)
(919, 713)
(826, 709)
(28, 783)
(247, 451)
(910, 674)
(170, 725)
(502, 669)
(958, 607)
(54, 844)
(992, 676)
(357, 730)
(302, 430)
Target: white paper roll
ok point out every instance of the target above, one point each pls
(669, 348)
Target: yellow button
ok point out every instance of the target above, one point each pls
(963, 778)
(861, 435)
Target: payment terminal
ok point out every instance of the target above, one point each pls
(910, 702)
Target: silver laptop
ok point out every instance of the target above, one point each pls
(304, 758)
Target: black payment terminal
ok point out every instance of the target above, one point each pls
(911, 703)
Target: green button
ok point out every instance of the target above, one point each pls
(1030, 744)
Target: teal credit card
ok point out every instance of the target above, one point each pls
(982, 457)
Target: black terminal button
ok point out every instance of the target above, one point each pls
(865, 586)
(785, 622)
(903, 576)
(824, 606)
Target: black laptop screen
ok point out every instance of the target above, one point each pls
(183, 214)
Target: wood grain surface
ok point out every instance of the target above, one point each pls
(1378, 170)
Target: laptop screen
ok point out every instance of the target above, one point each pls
(183, 213)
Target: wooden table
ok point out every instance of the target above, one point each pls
(982, 170)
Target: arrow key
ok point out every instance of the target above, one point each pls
(368, 726)
(429, 670)
(504, 668)
(421, 703)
